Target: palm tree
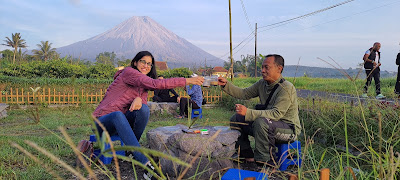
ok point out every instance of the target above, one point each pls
(15, 42)
(45, 51)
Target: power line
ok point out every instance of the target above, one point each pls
(279, 23)
(287, 21)
(245, 14)
(344, 17)
(361, 12)
(307, 15)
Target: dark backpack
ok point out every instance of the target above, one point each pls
(398, 59)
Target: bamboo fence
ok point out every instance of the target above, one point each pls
(51, 96)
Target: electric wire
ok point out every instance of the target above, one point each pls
(278, 24)
(245, 14)
(307, 15)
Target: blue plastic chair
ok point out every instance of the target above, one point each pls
(197, 113)
(107, 160)
(282, 154)
(233, 174)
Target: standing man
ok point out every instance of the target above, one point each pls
(372, 62)
(276, 120)
(397, 87)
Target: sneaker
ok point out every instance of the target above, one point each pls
(365, 95)
(147, 175)
(380, 96)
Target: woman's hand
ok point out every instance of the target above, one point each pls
(136, 104)
(195, 80)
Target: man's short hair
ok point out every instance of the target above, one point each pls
(279, 61)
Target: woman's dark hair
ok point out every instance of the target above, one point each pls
(139, 55)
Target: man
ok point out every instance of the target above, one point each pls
(162, 95)
(372, 62)
(397, 87)
(278, 122)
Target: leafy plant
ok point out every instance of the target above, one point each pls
(15, 42)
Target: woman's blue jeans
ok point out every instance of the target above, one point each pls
(128, 126)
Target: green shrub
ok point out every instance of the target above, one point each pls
(177, 72)
(58, 68)
(101, 71)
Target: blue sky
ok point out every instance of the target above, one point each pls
(342, 33)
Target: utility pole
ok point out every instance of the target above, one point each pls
(255, 52)
(205, 66)
(230, 36)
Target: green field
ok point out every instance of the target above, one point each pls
(336, 136)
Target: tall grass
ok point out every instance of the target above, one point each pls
(352, 141)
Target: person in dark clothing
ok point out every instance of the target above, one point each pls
(162, 95)
(372, 62)
(196, 99)
(397, 87)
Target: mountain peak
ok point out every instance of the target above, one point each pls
(140, 33)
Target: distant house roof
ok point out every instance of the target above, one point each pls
(201, 70)
(161, 65)
(219, 69)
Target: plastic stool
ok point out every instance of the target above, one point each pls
(197, 113)
(282, 154)
(107, 160)
(233, 174)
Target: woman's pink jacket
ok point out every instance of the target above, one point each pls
(128, 84)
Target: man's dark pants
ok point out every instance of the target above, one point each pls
(397, 87)
(376, 75)
(266, 133)
(184, 106)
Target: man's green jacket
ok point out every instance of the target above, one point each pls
(282, 106)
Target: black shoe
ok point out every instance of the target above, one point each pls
(235, 156)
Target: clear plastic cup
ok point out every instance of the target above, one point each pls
(210, 80)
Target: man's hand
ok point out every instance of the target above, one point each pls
(136, 104)
(374, 63)
(178, 99)
(222, 81)
(241, 109)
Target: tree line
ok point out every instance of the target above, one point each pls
(46, 52)
(246, 65)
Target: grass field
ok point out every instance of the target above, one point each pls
(364, 139)
(318, 84)
(331, 85)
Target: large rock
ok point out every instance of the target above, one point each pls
(3, 110)
(162, 107)
(215, 155)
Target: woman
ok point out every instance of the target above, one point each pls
(124, 109)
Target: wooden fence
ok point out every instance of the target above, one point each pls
(19, 96)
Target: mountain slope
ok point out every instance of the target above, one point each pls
(137, 34)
